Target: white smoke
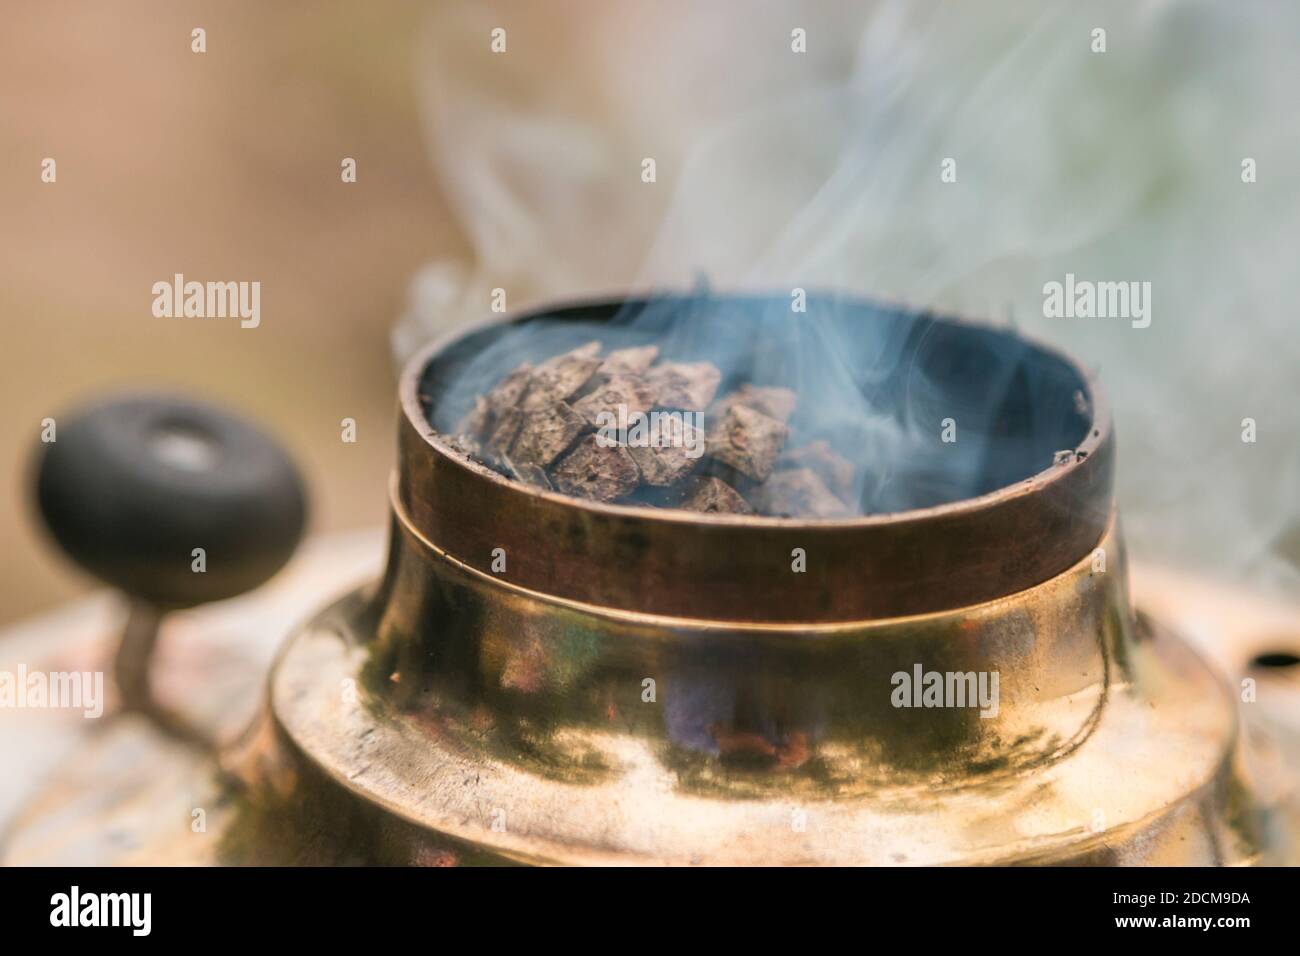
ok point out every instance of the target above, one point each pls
(822, 169)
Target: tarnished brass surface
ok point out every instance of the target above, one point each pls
(124, 792)
(610, 695)
(514, 724)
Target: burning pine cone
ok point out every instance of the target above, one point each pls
(624, 427)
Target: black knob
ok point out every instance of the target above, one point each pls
(171, 500)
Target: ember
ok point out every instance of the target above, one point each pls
(688, 385)
(602, 473)
(543, 435)
(673, 456)
(576, 423)
(833, 468)
(799, 493)
(629, 361)
(774, 401)
(713, 495)
(626, 391)
(560, 377)
(747, 441)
